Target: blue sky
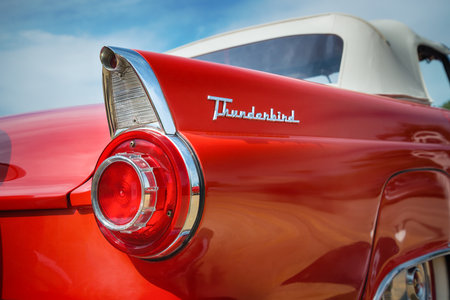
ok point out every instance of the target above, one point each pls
(49, 49)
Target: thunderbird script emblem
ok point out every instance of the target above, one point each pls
(221, 110)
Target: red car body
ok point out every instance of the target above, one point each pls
(322, 208)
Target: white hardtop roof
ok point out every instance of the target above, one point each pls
(379, 57)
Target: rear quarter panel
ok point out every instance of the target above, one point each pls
(291, 209)
(413, 222)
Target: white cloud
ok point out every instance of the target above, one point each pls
(46, 71)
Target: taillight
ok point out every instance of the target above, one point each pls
(145, 193)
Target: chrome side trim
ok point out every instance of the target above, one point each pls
(390, 276)
(150, 83)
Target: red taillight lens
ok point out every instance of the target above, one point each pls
(119, 193)
(143, 196)
(113, 62)
(126, 192)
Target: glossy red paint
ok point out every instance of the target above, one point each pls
(290, 209)
(45, 155)
(323, 111)
(81, 196)
(287, 207)
(287, 198)
(414, 220)
(61, 254)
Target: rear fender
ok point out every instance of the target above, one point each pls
(413, 225)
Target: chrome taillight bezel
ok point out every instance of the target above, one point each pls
(148, 186)
(189, 182)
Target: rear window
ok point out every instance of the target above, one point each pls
(313, 57)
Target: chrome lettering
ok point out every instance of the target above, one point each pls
(221, 110)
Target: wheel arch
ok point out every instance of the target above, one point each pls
(412, 225)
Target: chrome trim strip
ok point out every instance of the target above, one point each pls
(390, 276)
(151, 85)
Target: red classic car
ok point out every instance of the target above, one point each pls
(225, 174)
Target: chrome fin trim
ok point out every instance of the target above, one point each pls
(149, 81)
